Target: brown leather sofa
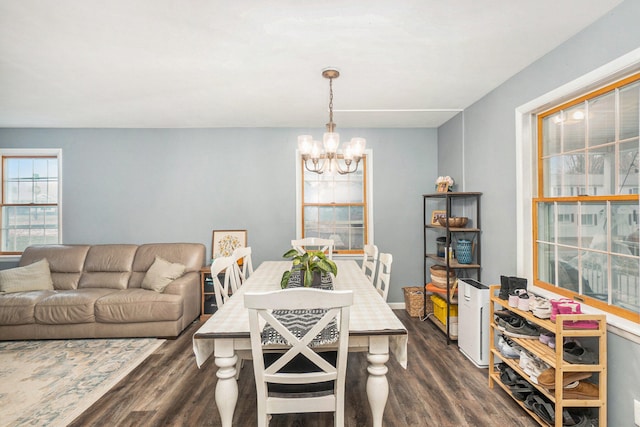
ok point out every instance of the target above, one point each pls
(97, 293)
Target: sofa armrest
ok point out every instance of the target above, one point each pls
(188, 286)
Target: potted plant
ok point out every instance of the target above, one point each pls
(311, 264)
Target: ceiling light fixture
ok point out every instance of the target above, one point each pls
(318, 157)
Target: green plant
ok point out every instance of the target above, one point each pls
(310, 262)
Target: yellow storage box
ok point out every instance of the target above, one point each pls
(440, 310)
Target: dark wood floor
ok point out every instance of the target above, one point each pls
(440, 388)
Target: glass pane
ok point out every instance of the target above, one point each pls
(602, 119)
(552, 168)
(24, 226)
(574, 129)
(624, 232)
(357, 238)
(628, 178)
(593, 230)
(551, 128)
(567, 224)
(311, 194)
(310, 216)
(546, 263)
(629, 111)
(594, 275)
(546, 223)
(601, 176)
(568, 273)
(625, 287)
(574, 179)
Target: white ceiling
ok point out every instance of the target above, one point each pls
(257, 63)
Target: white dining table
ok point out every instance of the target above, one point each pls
(373, 327)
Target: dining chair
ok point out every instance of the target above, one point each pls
(247, 267)
(384, 274)
(294, 371)
(370, 262)
(223, 290)
(314, 243)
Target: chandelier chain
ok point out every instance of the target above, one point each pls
(331, 102)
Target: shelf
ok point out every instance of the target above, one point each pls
(454, 229)
(442, 327)
(453, 263)
(553, 357)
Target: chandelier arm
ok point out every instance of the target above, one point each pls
(315, 169)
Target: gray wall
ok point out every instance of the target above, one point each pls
(170, 185)
(489, 165)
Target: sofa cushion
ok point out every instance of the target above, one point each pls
(33, 277)
(138, 305)
(190, 255)
(69, 307)
(161, 273)
(19, 308)
(108, 266)
(65, 262)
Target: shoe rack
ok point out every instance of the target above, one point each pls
(553, 357)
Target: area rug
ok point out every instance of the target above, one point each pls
(50, 383)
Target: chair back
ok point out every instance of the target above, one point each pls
(223, 290)
(247, 267)
(370, 262)
(384, 274)
(314, 244)
(293, 376)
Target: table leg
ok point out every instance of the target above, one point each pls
(377, 384)
(227, 387)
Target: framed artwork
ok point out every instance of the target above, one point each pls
(435, 215)
(443, 187)
(225, 241)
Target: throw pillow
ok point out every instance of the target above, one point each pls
(32, 277)
(161, 273)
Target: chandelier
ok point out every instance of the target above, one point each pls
(319, 157)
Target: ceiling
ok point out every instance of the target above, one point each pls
(258, 63)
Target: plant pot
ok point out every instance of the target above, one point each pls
(321, 280)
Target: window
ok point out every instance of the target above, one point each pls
(338, 207)
(586, 213)
(30, 199)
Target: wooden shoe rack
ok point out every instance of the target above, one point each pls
(553, 357)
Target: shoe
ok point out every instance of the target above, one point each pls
(523, 300)
(580, 390)
(540, 307)
(572, 352)
(574, 308)
(547, 378)
(508, 348)
(534, 368)
(507, 375)
(520, 328)
(546, 337)
(513, 300)
(554, 307)
(521, 389)
(504, 288)
(516, 283)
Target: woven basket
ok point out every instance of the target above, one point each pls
(440, 271)
(414, 301)
(456, 221)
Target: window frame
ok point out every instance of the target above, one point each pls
(30, 153)
(367, 164)
(577, 200)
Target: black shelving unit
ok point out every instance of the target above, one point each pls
(454, 204)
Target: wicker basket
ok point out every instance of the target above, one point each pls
(441, 271)
(414, 301)
(455, 221)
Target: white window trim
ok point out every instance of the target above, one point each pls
(369, 179)
(526, 178)
(34, 152)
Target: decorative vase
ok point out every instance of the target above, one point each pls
(463, 251)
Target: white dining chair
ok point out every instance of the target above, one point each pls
(384, 274)
(303, 378)
(247, 267)
(370, 262)
(315, 244)
(223, 290)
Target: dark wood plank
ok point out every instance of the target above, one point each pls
(440, 388)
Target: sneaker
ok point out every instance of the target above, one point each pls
(540, 307)
(574, 308)
(521, 329)
(513, 300)
(573, 352)
(546, 337)
(554, 307)
(523, 300)
(508, 348)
